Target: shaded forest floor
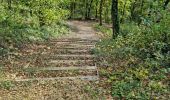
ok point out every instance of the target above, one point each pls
(65, 69)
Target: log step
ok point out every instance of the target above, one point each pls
(88, 78)
(75, 47)
(71, 57)
(31, 73)
(73, 40)
(63, 68)
(62, 51)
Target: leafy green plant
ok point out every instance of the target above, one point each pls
(25, 21)
(139, 57)
(6, 85)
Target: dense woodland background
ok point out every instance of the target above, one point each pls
(137, 50)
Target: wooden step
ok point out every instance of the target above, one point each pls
(31, 73)
(69, 44)
(76, 64)
(74, 47)
(88, 78)
(72, 57)
(54, 63)
(70, 61)
(73, 40)
(63, 68)
(67, 51)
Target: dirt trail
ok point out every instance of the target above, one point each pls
(61, 69)
(75, 62)
(83, 30)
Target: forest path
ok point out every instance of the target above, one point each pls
(69, 57)
(83, 30)
(60, 69)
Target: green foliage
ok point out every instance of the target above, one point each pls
(142, 55)
(107, 31)
(23, 21)
(131, 89)
(6, 85)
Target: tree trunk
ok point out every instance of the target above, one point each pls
(96, 16)
(71, 10)
(89, 9)
(86, 10)
(101, 11)
(165, 35)
(115, 18)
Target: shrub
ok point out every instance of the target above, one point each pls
(142, 56)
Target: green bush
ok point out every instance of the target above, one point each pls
(143, 57)
(25, 21)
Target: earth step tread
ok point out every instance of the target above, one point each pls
(80, 43)
(88, 78)
(73, 44)
(64, 55)
(54, 61)
(66, 68)
(81, 64)
(77, 48)
(69, 42)
(73, 40)
(31, 73)
(73, 51)
(71, 57)
(69, 61)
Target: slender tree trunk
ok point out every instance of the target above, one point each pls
(107, 15)
(115, 18)
(89, 9)
(96, 16)
(86, 10)
(71, 10)
(165, 35)
(101, 11)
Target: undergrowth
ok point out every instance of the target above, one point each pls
(26, 21)
(140, 60)
(9, 40)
